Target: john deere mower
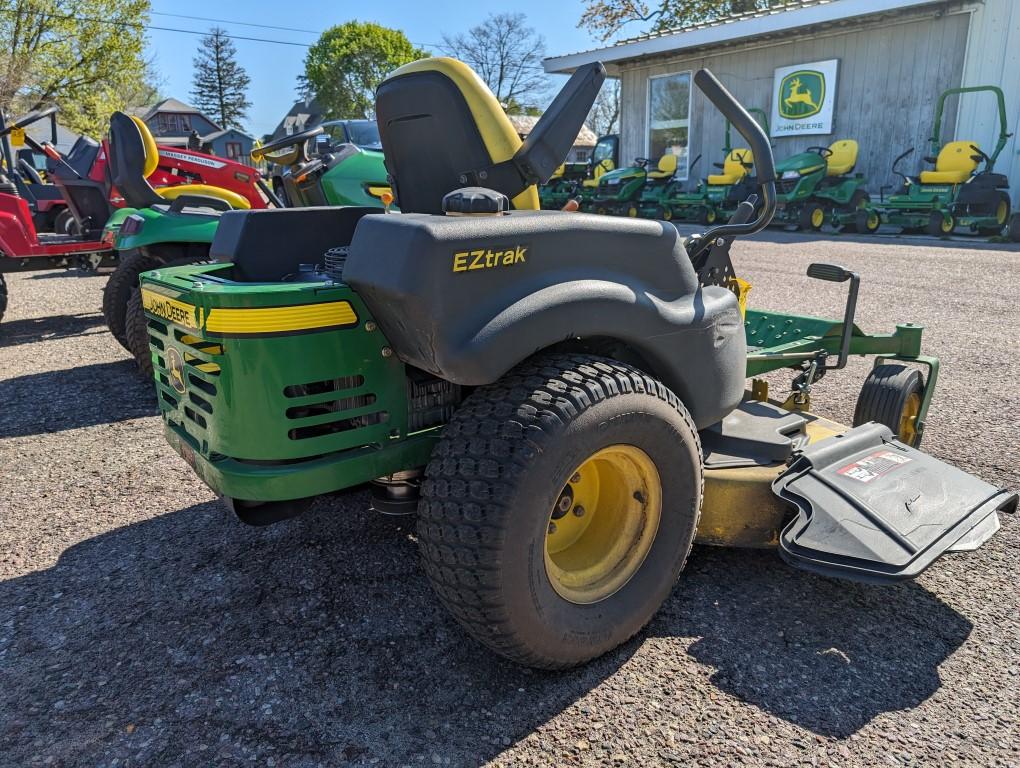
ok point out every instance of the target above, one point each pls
(819, 186)
(619, 191)
(579, 180)
(154, 233)
(718, 195)
(962, 192)
(561, 398)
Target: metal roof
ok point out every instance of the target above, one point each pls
(791, 15)
(525, 124)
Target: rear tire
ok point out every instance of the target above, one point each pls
(65, 223)
(811, 218)
(938, 226)
(858, 201)
(119, 287)
(3, 295)
(136, 331)
(1001, 211)
(1014, 228)
(892, 395)
(867, 221)
(494, 491)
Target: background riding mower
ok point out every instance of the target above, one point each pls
(619, 190)
(560, 397)
(819, 185)
(181, 235)
(23, 248)
(956, 195)
(579, 181)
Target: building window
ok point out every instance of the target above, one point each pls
(170, 124)
(669, 109)
(581, 155)
(234, 150)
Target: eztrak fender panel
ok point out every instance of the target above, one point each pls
(469, 297)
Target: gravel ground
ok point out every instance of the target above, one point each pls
(141, 625)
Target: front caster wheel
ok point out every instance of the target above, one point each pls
(892, 395)
(559, 507)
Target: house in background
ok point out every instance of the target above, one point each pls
(303, 115)
(176, 124)
(583, 145)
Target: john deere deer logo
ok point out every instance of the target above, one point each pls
(802, 94)
(175, 370)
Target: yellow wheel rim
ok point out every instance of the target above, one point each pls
(908, 419)
(872, 221)
(667, 214)
(710, 217)
(602, 524)
(632, 212)
(1002, 212)
(947, 225)
(817, 218)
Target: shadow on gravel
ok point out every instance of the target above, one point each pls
(15, 332)
(101, 393)
(189, 639)
(824, 654)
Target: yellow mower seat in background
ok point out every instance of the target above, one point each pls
(230, 197)
(665, 169)
(604, 167)
(734, 168)
(843, 157)
(954, 165)
(558, 173)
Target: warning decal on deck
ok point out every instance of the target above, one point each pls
(874, 466)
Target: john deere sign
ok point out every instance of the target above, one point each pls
(803, 98)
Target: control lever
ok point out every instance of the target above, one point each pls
(834, 273)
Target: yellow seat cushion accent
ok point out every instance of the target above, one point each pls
(235, 200)
(604, 167)
(734, 169)
(151, 152)
(954, 165)
(666, 167)
(498, 134)
(843, 157)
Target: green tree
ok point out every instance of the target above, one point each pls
(220, 85)
(86, 56)
(605, 18)
(507, 54)
(347, 63)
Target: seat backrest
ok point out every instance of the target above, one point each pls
(437, 120)
(667, 163)
(736, 162)
(957, 156)
(442, 129)
(843, 158)
(133, 158)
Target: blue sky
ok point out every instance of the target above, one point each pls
(274, 68)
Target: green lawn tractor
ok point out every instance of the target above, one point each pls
(562, 399)
(652, 203)
(160, 234)
(962, 192)
(580, 180)
(819, 186)
(618, 191)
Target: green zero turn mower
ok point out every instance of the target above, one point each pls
(819, 186)
(619, 191)
(579, 180)
(180, 233)
(561, 398)
(962, 192)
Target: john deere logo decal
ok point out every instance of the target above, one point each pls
(802, 94)
(175, 368)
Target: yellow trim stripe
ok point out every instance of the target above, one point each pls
(280, 319)
(230, 320)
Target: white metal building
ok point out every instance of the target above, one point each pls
(891, 59)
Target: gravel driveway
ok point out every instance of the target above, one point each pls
(141, 625)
